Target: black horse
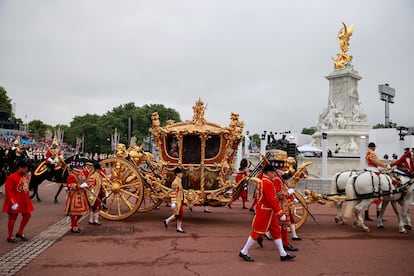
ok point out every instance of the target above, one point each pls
(9, 161)
(58, 174)
(3, 166)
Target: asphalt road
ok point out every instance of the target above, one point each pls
(140, 245)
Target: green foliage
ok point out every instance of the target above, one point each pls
(309, 131)
(256, 139)
(38, 128)
(379, 125)
(97, 130)
(90, 127)
(5, 102)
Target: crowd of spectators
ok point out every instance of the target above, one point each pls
(36, 148)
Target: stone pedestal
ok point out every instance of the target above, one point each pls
(344, 119)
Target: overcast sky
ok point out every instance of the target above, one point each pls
(266, 60)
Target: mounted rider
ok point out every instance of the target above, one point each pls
(16, 154)
(373, 162)
(54, 156)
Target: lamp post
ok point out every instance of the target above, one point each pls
(263, 142)
(362, 146)
(324, 156)
(402, 132)
(246, 144)
(239, 155)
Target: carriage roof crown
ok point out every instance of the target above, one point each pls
(197, 141)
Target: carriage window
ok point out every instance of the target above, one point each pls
(212, 146)
(172, 146)
(191, 149)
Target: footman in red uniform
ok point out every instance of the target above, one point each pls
(268, 213)
(17, 201)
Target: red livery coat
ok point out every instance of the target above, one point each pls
(17, 191)
(76, 200)
(268, 210)
(285, 200)
(239, 176)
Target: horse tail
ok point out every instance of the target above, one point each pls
(350, 194)
(334, 187)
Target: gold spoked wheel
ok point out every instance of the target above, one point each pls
(300, 212)
(123, 188)
(149, 202)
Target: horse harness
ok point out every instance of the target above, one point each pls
(342, 191)
(400, 188)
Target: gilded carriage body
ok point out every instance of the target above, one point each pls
(204, 150)
(135, 181)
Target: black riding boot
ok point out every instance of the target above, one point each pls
(367, 216)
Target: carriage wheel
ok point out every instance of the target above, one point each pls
(123, 188)
(149, 202)
(300, 210)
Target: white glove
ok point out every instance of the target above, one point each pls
(172, 205)
(283, 217)
(295, 201)
(83, 185)
(51, 161)
(291, 191)
(388, 167)
(15, 206)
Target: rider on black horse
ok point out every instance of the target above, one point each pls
(54, 157)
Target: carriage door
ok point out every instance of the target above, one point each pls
(191, 149)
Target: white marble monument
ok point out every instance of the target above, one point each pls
(343, 120)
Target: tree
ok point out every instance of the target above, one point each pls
(309, 131)
(144, 121)
(256, 139)
(97, 129)
(90, 127)
(5, 102)
(390, 125)
(38, 128)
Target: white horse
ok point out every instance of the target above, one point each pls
(338, 185)
(363, 189)
(406, 184)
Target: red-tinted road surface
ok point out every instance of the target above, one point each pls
(140, 245)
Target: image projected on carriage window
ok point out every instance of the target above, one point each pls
(212, 146)
(191, 149)
(172, 146)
